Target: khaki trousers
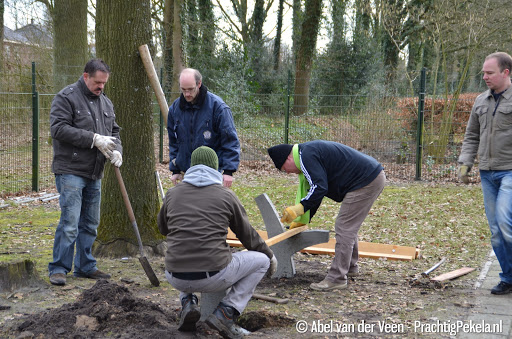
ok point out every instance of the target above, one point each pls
(354, 209)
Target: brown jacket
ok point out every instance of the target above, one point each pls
(489, 133)
(195, 220)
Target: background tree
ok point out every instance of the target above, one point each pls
(1, 35)
(200, 41)
(460, 31)
(121, 27)
(70, 47)
(249, 32)
(167, 29)
(177, 48)
(277, 40)
(305, 54)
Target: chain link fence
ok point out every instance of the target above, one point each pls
(385, 127)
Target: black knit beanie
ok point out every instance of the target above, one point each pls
(204, 155)
(279, 153)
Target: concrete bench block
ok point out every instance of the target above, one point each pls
(285, 249)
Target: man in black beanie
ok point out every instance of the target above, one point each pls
(195, 217)
(333, 170)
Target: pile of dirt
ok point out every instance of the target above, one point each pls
(105, 310)
(109, 310)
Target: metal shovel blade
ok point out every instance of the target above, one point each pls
(149, 271)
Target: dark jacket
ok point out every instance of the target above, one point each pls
(332, 170)
(208, 122)
(76, 114)
(195, 217)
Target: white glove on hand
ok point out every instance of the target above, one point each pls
(273, 266)
(116, 159)
(104, 143)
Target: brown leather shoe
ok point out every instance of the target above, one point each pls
(326, 285)
(58, 279)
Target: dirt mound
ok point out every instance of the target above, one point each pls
(104, 310)
(109, 310)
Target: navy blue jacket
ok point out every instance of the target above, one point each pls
(332, 170)
(208, 122)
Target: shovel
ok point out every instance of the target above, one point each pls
(143, 260)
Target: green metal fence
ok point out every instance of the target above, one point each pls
(399, 132)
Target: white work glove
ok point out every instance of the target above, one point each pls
(116, 159)
(273, 266)
(104, 143)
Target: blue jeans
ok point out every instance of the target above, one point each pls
(79, 219)
(497, 189)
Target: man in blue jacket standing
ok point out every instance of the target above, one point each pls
(333, 170)
(200, 118)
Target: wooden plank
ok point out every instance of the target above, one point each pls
(285, 235)
(453, 274)
(362, 254)
(366, 249)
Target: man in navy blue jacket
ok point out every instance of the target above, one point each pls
(333, 170)
(200, 118)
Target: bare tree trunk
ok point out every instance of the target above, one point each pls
(121, 27)
(305, 56)
(168, 45)
(297, 19)
(70, 48)
(177, 50)
(1, 35)
(277, 41)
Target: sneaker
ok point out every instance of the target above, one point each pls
(326, 285)
(223, 321)
(190, 313)
(94, 275)
(502, 288)
(58, 279)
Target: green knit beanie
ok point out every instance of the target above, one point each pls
(204, 155)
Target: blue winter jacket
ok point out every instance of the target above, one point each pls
(332, 170)
(208, 122)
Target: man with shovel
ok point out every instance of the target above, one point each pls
(85, 134)
(195, 217)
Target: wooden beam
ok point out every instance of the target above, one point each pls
(285, 235)
(280, 237)
(366, 249)
(453, 274)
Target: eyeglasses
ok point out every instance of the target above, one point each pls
(188, 90)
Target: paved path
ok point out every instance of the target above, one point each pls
(489, 309)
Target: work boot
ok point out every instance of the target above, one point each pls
(190, 313)
(94, 275)
(58, 279)
(326, 285)
(223, 320)
(502, 288)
